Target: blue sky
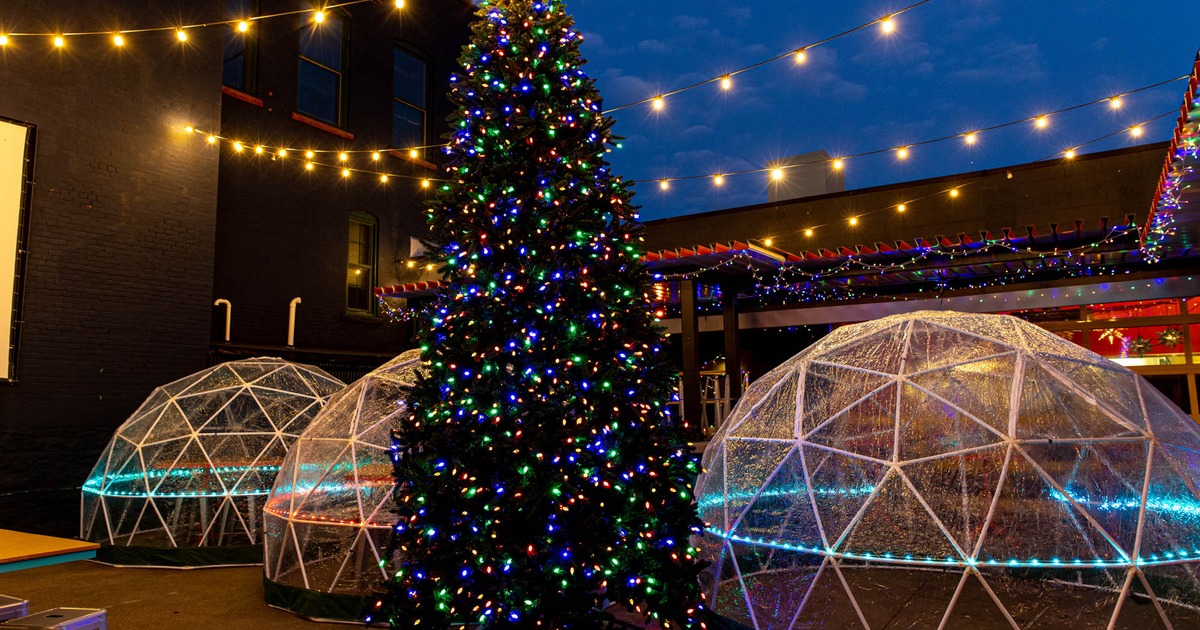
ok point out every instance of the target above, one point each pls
(951, 66)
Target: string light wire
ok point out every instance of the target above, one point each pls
(177, 28)
(966, 136)
(790, 54)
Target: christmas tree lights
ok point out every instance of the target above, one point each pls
(540, 472)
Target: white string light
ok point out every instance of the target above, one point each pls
(119, 38)
(904, 152)
(887, 24)
(310, 163)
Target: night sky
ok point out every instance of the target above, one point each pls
(951, 66)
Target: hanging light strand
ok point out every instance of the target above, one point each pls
(955, 191)
(305, 158)
(240, 23)
(885, 21)
(903, 152)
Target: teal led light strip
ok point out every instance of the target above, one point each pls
(103, 486)
(1178, 556)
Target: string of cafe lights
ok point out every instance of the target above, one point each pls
(119, 38)
(344, 166)
(887, 25)
(307, 158)
(777, 173)
(952, 192)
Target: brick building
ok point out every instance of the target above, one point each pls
(136, 226)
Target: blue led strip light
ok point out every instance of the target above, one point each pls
(103, 486)
(1177, 507)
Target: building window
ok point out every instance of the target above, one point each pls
(408, 100)
(360, 267)
(241, 49)
(322, 84)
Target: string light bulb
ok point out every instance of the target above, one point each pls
(1115, 102)
(1069, 154)
(308, 166)
(181, 35)
(901, 208)
(769, 242)
(424, 183)
(238, 146)
(954, 193)
(888, 25)
(189, 129)
(310, 154)
(1041, 122)
(808, 232)
(259, 150)
(853, 221)
(59, 41)
(971, 138)
(282, 153)
(658, 103)
(375, 156)
(118, 40)
(777, 174)
(726, 82)
(719, 180)
(3, 40)
(801, 55)
(1136, 131)
(383, 179)
(345, 172)
(243, 26)
(664, 184)
(399, 4)
(839, 164)
(343, 156)
(902, 153)
(412, 154)
(212, 139)
(318, 16)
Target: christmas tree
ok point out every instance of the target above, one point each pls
(540, 472)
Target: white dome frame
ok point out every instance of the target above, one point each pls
(200, 452)
(325, 509)
(763, 463)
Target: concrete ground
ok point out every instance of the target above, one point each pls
(224, 599)
(143, 599)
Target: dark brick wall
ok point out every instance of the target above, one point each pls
(1111, 184)
(121, 237)
(282, 232)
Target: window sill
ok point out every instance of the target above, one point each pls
(241, 96)
(326, 127)
(361, 317)
(403, 155)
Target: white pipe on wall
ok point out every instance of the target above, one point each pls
(228, 314)
(292, 323)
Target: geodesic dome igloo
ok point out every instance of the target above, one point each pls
(183, 480)
(942, 470)
(328, 519)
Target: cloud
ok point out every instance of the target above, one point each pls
(1003, 60)
(652, 45)
(690, 22)
(739, 14)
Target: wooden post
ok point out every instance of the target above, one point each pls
(691, 353)
(733, 361)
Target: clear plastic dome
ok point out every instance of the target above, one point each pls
(328, 518)
(193, 465)
(950, 470)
